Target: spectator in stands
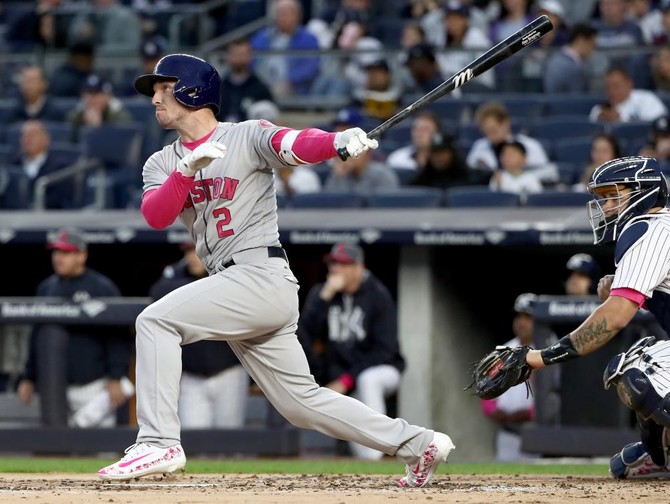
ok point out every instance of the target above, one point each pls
(659, 142)
(663, 38)
(286, 75)
(240, 86)
(97, 106)
(423, 68)
(495, 123)
(604, 147)
(329, 23)
(429, 14)
(68, 79)
(34, 102)
(412, 34)
(624, 103)
(111, 26)
(349, 329)
(660, 68)
(583, 276)
(566, 70)
(38, 28)
(214, 385)
(152, 50)
(97, 357)
(555, 11)
(514, 15)
(290, 180)
(648, 17)
(515, 407)
(415, 155)
(379, 96)
(614, 29)
(513, 175)
(446, 166)
(463, 42)
(360, 174)
(36, 160)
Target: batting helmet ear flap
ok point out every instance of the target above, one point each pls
(197, 83)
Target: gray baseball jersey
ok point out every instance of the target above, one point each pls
(231, 212)
(233, 196)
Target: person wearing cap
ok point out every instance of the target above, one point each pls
(446, 166)
(514, 175)
(659, 141)
(515, 407)
(214, 386)
(97, 357)
(66, 80)
(97, 106)
(583, 277)
(379, 95)
(422, 65)
(660, 63)
(349, 329)
(240, 85)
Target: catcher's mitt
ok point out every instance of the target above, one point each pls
(500, 370)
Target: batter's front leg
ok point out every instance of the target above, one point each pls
(279, 367)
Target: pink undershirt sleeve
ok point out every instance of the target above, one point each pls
(312, 145)
(160, 207)
(631, 294)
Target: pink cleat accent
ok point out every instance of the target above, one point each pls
(143, 459)
(437, 452)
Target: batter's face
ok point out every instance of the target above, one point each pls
(68, 264)
(169, 112)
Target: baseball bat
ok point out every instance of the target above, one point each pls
(525, 36)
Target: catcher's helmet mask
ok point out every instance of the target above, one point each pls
(635, 184)
(197, 83)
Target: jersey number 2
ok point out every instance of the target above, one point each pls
(223, 216)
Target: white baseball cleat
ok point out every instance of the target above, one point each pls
(422, 472)
(142, 459)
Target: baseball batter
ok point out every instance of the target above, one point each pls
(217, 179)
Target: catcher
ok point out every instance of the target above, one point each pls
(629, 208)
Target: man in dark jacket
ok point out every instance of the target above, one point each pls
(98, 357)
(349, 328)
(214, 385)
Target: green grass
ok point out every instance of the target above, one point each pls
(297, 466)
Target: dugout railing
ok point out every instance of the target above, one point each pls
(52, 435)
(574, 414)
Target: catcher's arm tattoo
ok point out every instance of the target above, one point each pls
(592, 336)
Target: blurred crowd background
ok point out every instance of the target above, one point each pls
(596, 86)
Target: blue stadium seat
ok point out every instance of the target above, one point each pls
(405, 175)
(573, 150)
(479, 196)
(328, 199)
(558, 199)
(571, 105)
(8, 153)
(14, 188)
(569, 173)
(60, 132)
(524, 106)
(630, 132)
(556, 128)
(407, 197)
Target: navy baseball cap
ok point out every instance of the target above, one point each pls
(348, 116)
(152, 48)
(525, 303)
(584, 264)
(96, 84)
(421, 51)
(346, 253)
(455, 7)
(68, 240)
(661, 126)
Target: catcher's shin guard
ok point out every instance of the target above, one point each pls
(634, 462)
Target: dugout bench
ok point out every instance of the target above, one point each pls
(49, 433)
(574, 414)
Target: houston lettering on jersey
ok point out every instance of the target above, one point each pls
(211, 189)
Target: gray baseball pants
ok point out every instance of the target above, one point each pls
(253, 306)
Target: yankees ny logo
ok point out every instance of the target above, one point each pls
(463, 77)
(345, 323)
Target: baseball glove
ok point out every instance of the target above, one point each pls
(500, 370)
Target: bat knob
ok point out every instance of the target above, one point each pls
(343, 153)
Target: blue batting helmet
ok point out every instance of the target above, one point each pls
(635, 184)
(198, 84)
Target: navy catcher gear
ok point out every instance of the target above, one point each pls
(198, 84)
(624, 188)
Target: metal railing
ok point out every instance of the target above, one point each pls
(76, 171)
